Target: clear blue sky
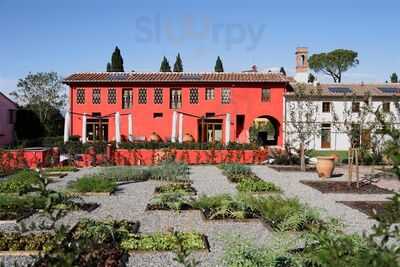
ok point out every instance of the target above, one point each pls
(80, 35)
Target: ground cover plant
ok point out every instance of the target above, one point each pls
(224, 206)
(250, 185)
(92, 183)
(175, 187)
(13, 207)
(170, 171)
(126, 174)
(236, 172)
(13, 241)
(20, 182)
(171, 201)
(164, 241)
(61, 169)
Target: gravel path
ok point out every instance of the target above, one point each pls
(354, 220)
(130, 203)
(131, 199)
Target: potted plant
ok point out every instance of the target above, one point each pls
(154, 137)
(188, 138)
(325, 166)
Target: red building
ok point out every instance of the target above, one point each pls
(208, 106)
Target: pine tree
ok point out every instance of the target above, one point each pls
(117, 62)
(311, 78)
(218, 65)
(165, 67)
(178, 66)
(282, 71)
(109, 68)
(394, 78)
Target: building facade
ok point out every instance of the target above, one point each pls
(339, 105)
(7, 120)
(210, 107)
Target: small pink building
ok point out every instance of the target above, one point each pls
(7, 119)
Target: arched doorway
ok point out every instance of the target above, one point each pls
(265, 131)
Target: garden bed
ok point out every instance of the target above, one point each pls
(343, 187)
(18, 244)
(151, 207)
(13, 216)
(370, 208)
(291, 168)
(175, 187)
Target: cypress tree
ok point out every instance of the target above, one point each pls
(282, 71)
(178, 66)
(109, 68)
(218, 65)
(165, 67)
(394, 78)
(311, 78)
(117, 62)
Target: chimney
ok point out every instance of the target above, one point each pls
(302, 68)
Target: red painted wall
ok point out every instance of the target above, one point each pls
(245, 100)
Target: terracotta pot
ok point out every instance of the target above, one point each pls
(188, 138)
(154, 138)
(325, 166)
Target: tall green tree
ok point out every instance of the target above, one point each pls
(334, 63)
(109, 67)
(218, 65)
(282, 71)
(42, 93)
(394, 78)
(117, 62)
(178, 66)
(311, 78)
(165, 67)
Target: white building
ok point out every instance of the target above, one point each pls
(338, 105)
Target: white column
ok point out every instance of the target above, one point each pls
(67, 127)
(180, 127)
(117, 129)
(84, 129)
(173, 130)
(130, 128)
(227, 128)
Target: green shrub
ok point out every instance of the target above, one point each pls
(248, 185)
(163, 241)
(94, 183)
(20, 182)
(125, 174)
(236, 172)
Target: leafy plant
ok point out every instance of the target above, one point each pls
(174, 200)
(182, 252)
(175, 187)
(247, 185)
(93, 183)
(12, 241)
(223, 207)
(62, 169)
(124, 174)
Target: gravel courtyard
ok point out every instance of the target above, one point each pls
(130, 201)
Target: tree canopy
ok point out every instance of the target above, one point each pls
(117, 62)
(282, 71)
(311, 78)
(44, 94)
(165, 67)
(334, 63)
(218, 65)
(178, 66)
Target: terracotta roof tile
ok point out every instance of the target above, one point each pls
(355, 89)
(173, 77)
